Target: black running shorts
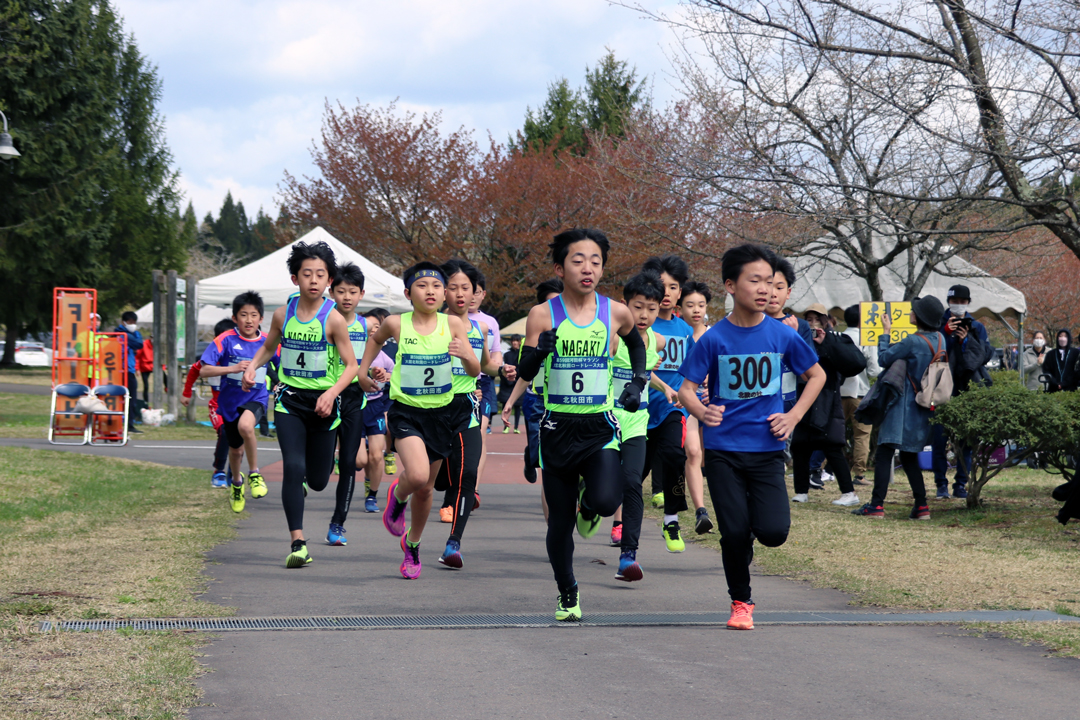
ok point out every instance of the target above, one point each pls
(567, 439)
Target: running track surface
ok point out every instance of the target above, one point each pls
(808, 672)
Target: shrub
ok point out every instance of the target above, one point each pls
(986, 418)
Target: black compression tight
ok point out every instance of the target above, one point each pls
(602, 473)
(350, 435)
(305, 455)
(633, 507)
(459, 471)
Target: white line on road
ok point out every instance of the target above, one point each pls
(195, 447)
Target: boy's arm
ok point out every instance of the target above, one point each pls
(461, 348)
(488, 364)
(623, 321)
(539, 342)
(267, 351)
(784, 423)
(338, 332)
(391, 328)
(515, 394)
(710, 415)
(192, 376)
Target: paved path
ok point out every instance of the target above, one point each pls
(856, 672)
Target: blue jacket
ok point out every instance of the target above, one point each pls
(906, 424)
(967, 359)
(134, 342)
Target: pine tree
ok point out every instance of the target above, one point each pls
(232, 227)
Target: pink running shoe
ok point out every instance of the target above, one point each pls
(393, 517)
(616, 536)
(410, 566)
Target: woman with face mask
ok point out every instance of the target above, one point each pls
(1034, 356)
(1060, 363)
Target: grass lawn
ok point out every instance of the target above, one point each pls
(24, 375)
(1012, 554)
(93, 537)
(27, 416)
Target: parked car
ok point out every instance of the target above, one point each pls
(32, 354)
(996, 362)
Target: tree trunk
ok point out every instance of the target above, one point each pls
(14, 327)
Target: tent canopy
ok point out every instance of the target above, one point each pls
(831, 281)
(269, 276)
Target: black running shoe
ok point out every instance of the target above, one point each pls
(703, 524)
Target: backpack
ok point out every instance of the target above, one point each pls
(937, 381)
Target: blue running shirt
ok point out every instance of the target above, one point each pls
(744, 367)
(678, 341)
(229, 348)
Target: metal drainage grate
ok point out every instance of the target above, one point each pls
(455, 622)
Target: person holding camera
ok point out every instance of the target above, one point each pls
(968, 347)
(1060, 364)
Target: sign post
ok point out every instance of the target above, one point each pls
(870, 325)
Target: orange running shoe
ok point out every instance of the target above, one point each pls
(742, 616)
(446, 514)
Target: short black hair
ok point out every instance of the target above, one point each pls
(694, 286)
(673, 265)
(560, 244)
(647, 284)
(413, 269)
(380, 313)
(852, 316)
(129, 316)
(736, 258)
(348, 273)
(224, 326)
(784, 266)
(554, 285)
(302, 251)
(453, 266)
(247, 298)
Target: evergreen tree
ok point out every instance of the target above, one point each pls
(189, 228)
(232, 227)
(612, 91)
(93, 176)
(560, 121)
(262, 234)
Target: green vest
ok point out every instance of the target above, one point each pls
(358, 339)
(422, 375)
(463, 381)
(305, 357)
(579, 371)
(632, 424)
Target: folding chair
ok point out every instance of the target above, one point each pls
(110, 427)
(64, 419)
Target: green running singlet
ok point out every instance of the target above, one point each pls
(358, 338)
(305, 360)
(463, 381)
(579, 371)
(422, 375)
(632, 424)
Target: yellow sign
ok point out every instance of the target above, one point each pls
(870, 327)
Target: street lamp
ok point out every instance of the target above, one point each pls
(7, 149)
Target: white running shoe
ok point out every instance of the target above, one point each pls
(827, 476)
(800, 497)
(847, 500)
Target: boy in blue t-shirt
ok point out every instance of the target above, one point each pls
(745, 423)
(228, 356)
(665, 453)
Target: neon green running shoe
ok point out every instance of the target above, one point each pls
(305, 488)
(568, 608)
(658, 500)
(672, 538)
(258, 486)
(586, 527)
(236, 495)
(299, 556)
(389, 464)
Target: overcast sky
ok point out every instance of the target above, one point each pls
(245, 82)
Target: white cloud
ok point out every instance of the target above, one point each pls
(245, 82)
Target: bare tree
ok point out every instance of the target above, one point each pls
(849, 148)
(991, 88)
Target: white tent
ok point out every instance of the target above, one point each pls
(269, 276)
(831, 281)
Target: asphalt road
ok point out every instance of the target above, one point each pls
(775, 671)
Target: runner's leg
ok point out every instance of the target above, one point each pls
(463, 463)
(633, 465)
(350, 436)
(292, 440)
(695, 480)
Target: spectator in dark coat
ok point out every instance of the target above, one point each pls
(1060, 364)
(510, 359)
(968, 346)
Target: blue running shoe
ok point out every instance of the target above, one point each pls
(219, 480)
(371, 504)
(629, 570)
(336, 535)
(451, 556)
